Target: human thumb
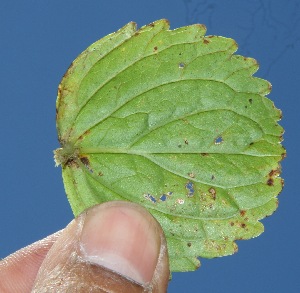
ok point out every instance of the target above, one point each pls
(112, 247)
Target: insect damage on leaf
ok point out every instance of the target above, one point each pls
(175, 121)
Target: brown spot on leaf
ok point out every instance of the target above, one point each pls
(231, 224)
(100, 174)
(206, 41)
(84, 134)
(189, 244)
(155, 48)
(274, 173)
(192, 175)
(270, 182)
(242, 213)
(243, 225)
(186, 141)
(213, 193)
(269, 87)
(204, 154)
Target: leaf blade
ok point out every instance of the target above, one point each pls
(172, 120)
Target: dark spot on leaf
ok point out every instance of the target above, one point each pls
(270, 182)
(155, 48)
(137, 33)
(212, 177)
(186, 141)
(179, 145)
(100, 174)
(251, 143)
(231, 224)
(204, 154)
(151, 24)
(85, 161)
(206, 41)
(190, 188)
(189, 244)
(71, 162)
(181, 65)
(243, 225)
(250, 101)
(242, 213)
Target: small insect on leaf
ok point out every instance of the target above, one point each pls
(174, 121)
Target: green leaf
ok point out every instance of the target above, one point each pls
(172, 120)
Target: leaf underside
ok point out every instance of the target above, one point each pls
(172, 120)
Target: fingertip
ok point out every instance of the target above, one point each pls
(114, 246)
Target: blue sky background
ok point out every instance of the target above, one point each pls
(38, 41)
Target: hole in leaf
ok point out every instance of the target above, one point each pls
(190, 188)
(180, 201)
(218, 140)
(150, 197)
(163, 197)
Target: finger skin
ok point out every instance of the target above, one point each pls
(65, 269)
(18, 271)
